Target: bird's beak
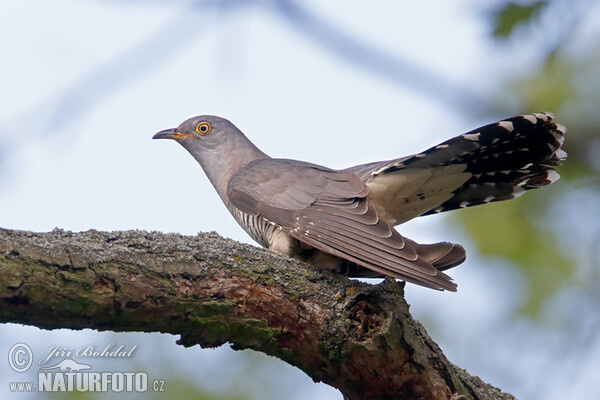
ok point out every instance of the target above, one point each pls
(170, 134)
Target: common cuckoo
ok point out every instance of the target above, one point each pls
(343, 220)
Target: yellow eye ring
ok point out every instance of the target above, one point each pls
(203, 128)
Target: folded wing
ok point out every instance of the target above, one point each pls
(330, 211)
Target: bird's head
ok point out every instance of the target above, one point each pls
(218, 146)
(201, 131)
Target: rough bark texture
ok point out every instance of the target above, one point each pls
(356, 337)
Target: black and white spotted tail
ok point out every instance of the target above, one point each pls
(505, 159)
(502, 160)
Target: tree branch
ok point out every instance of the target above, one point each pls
(357, 337)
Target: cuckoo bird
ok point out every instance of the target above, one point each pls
(343, 220)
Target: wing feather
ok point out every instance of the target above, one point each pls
(329, 210)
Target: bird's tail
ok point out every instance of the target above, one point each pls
(442, 255)
(496, 162)
(504, 159)
(512, 156)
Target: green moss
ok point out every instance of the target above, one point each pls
(331, 351)
(210, 309)
(82, 306)
(217, 327)
(248, 333)
(80, 280)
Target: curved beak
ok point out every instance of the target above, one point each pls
(168, 134)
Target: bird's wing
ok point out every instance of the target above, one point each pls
(496, 162)
(329, 210)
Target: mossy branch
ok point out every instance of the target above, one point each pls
(356, 337)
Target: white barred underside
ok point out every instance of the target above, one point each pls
(259, 229)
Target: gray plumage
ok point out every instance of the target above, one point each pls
(343, 220)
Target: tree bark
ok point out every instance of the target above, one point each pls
(354, 336)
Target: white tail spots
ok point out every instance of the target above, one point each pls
(544, 116)
(441, 146)
(518, 190)
(559, 136)
(553, 176)
(472, 136)
(560, 153)
(506, 125)
(530, 118)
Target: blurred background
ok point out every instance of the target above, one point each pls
(86, 83)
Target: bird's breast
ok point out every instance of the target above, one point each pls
(259, 229)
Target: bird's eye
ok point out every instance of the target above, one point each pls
(203, 128)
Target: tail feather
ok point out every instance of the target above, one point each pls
(496, 162)
(442, 256)
(512, 156)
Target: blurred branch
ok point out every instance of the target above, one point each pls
(83, 95)
(391, 67)
(56, 112)
(357, 337)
